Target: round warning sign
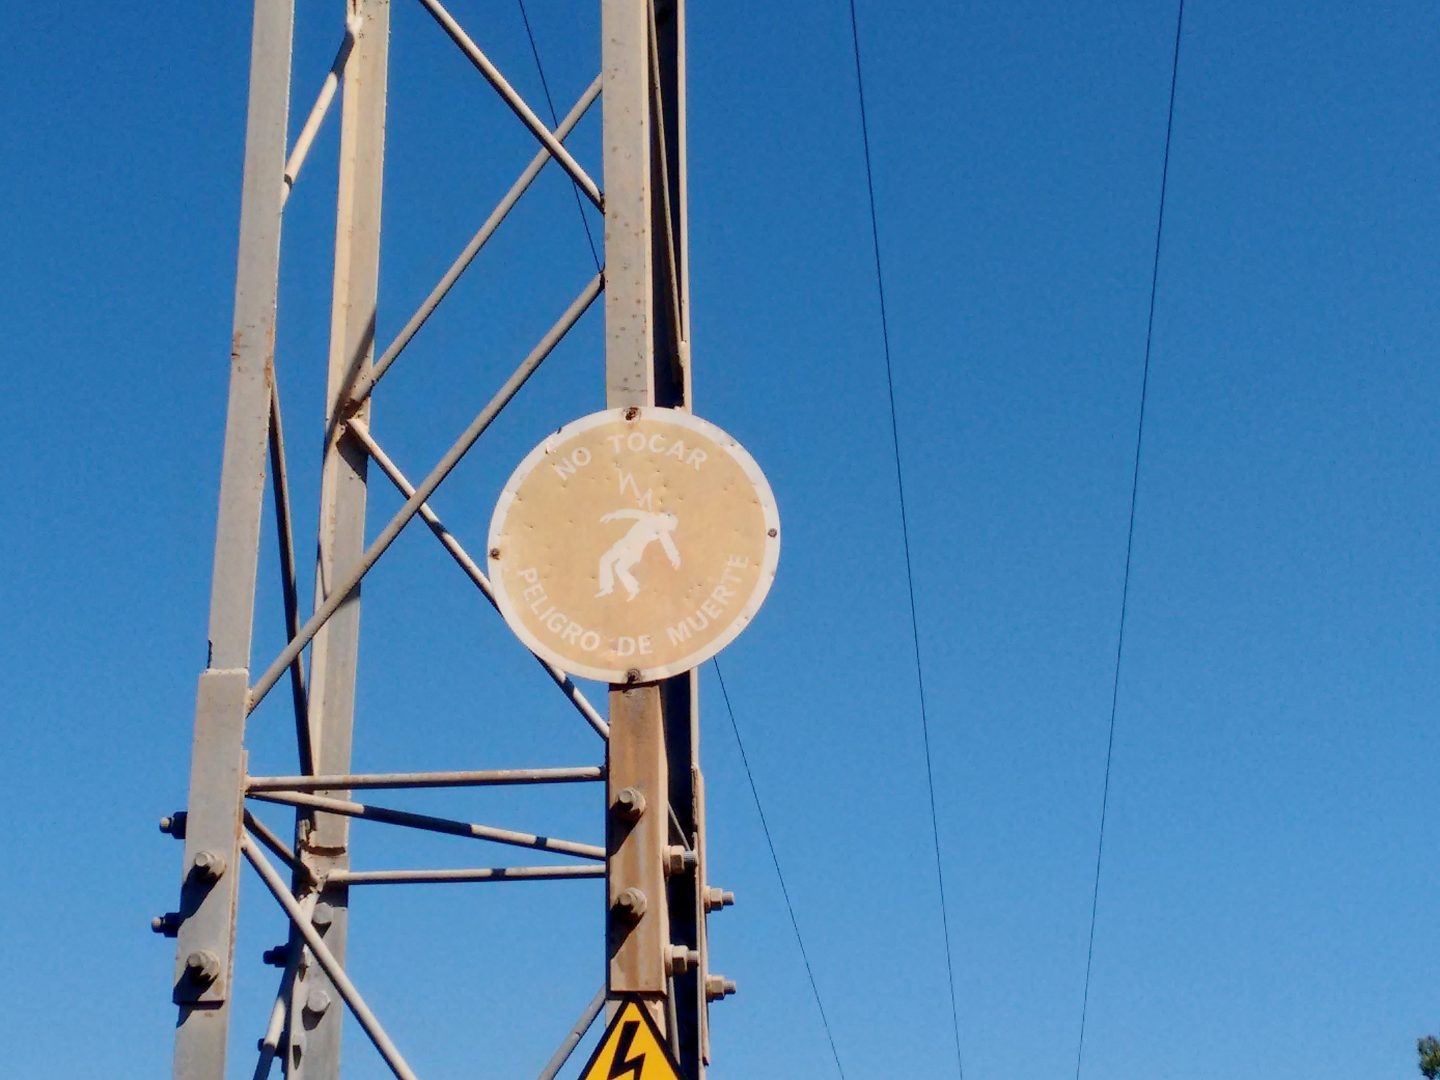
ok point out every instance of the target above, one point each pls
(633, 544)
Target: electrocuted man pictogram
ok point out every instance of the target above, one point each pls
(623, 555)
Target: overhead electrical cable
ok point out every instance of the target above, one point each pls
(905, 536)
(1130, 533)
(780, 874)
(554, 123)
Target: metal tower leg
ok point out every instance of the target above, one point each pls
(322, 839)
(209, 888)
(654, 745)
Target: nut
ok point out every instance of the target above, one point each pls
(203, 966)
(715, 899)
(717, 987)
(317, 1001)
(630, 904)
(679, 959)
(323, 916)
(678, 860)
(629, 804)
(208, 866)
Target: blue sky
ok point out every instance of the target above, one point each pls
(1267, 903)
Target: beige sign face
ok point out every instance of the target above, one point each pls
(633, 544)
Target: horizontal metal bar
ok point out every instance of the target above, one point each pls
(515, 101)
(572, 1040)
(472, 570)
(367, 380)
(432, 824)
(331, 966)
(381, 544)
(303, 141)
(483, 873)
(474, 778)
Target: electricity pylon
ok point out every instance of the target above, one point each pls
(653, 855)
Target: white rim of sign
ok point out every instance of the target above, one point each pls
(744, 614)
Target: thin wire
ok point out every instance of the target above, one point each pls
(905, 536)
(1130, 535)
(555, 122)
(774, 858)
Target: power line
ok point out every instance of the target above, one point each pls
(774, 858)
(905, 536)
(554, 123)
(1130, 534)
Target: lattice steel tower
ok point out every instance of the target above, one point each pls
(656, 947)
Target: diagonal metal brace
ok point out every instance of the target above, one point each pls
(567, 686)
(381, 544)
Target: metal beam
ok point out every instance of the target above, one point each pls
(456, 778)
(654, 738)
(206, 936)
(426, 822)
(322, 839)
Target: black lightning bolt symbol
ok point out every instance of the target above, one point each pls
(624, 1065)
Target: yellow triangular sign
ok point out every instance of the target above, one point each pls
(631, 1049)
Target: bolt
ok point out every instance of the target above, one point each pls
(279, 956)
(174, 825)
(494, 553)
(679, 959)
(208, 866)
(631, 413)
(630, 904)
(203, 966)
(322, 918)
(632, 675)
(678, 860)
(629, 804)
(317, 1001)
(717, 987)
(715, 899)
(167, 924)
(772, 533)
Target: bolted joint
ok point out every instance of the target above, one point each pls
(630, 905)
(679, 960)
(629, 804)
(317, 1001)
(718, 987)
(208, 866)
(278, 957)
(168, 924)
(678, 860)
(203, 966)
(715, 899)
(174, 824)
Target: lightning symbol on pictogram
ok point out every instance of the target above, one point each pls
(623, 1064)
